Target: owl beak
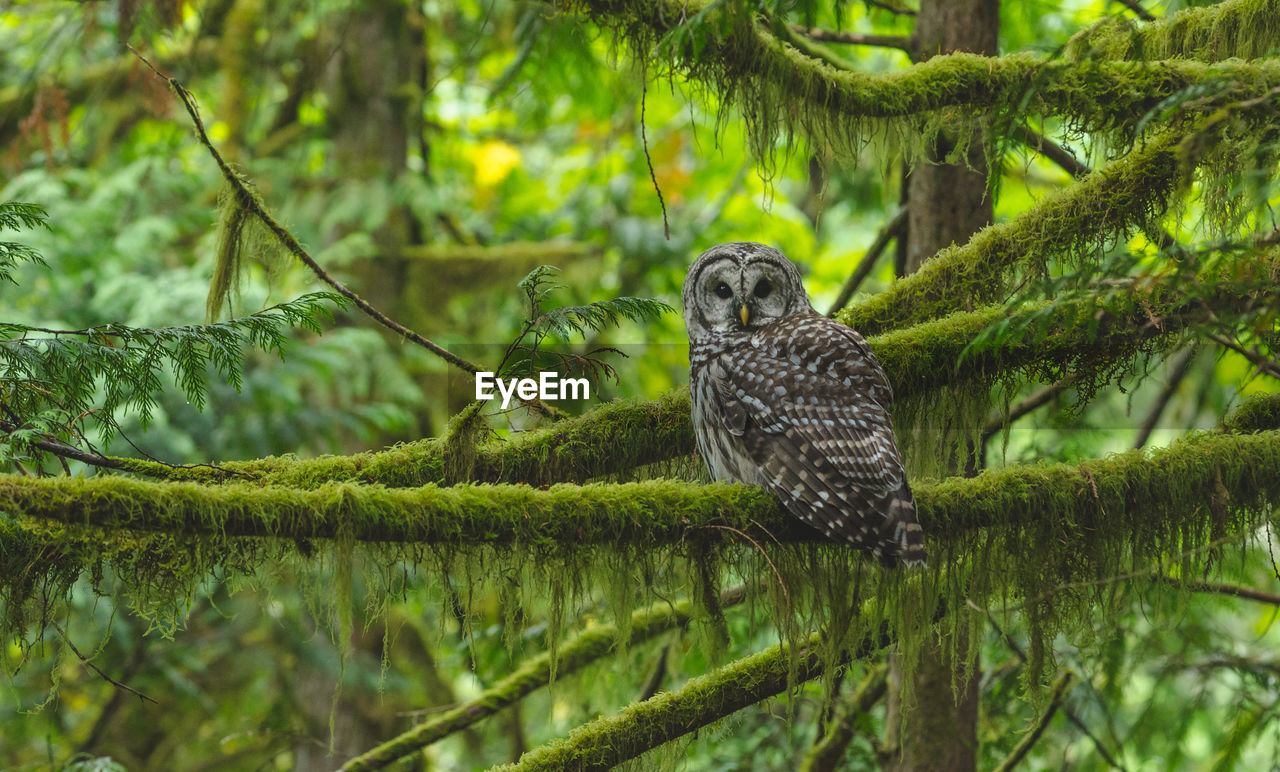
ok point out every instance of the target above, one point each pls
(744, 314)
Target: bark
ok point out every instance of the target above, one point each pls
(946, 204)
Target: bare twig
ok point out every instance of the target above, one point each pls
(1265, 365)
(98, 670)
(1138, 10)
(1222, 588)
(891, 230)
(1019, 752)
(820, 35)
(1180, 370)
(776, 573)
(895, 8)
(644, 139)
(1033, 401)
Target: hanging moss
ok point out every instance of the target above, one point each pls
(782, 91)
(1241, 29)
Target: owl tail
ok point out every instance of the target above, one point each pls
(902, 534)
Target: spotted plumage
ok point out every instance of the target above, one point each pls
(790, 400)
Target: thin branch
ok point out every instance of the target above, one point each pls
(1051, 150)
(1180, 370)
(67, 451)
(897, 9)
(1222, 588)
(644, 139)
(1138, 10)
(1029, 740)
(579, 651)
(1264, 364)
(890, 231)
(820, 35)
(98, 670)
(1022, 657)
(826, 755)
(246, 199)
(1032, 402)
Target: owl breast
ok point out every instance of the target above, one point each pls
(724, 454)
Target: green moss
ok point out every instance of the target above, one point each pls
(1242, 29)
(608, 442)
(643, 726)
(781, 91)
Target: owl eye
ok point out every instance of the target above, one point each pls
(723, 291)
(763, 288)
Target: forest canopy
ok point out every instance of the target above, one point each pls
(254, 255)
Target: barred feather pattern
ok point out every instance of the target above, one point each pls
(800, 405)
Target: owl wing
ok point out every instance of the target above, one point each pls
(810, 405)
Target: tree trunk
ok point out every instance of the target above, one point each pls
(937, 728)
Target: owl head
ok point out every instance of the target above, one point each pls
(740, 286)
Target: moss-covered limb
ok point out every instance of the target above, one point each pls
(1126, 193)
(651, 512)
(587, 646)
(1153, 490)
(826, 755)
(1257, 413)
(1244, 29)
(781, 87)
(643, 726)
(612, 439)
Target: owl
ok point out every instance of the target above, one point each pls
(790, 400)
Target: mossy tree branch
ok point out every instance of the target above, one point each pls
(1126, 193)
(643, 726)
(593, 643)
(1155, 490)
(740, 57)
(1243, 29)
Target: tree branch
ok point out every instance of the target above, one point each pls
(1264, 364)
(1138, 10)
(1222, 588)
(820, 35)
(1180, 370)
(1119, 196)
(643, 726)
(1134, 492)
(826, 755)
(250, 203)
(890, 231)
(89, 663)
(1029, 740)
(587, 646)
